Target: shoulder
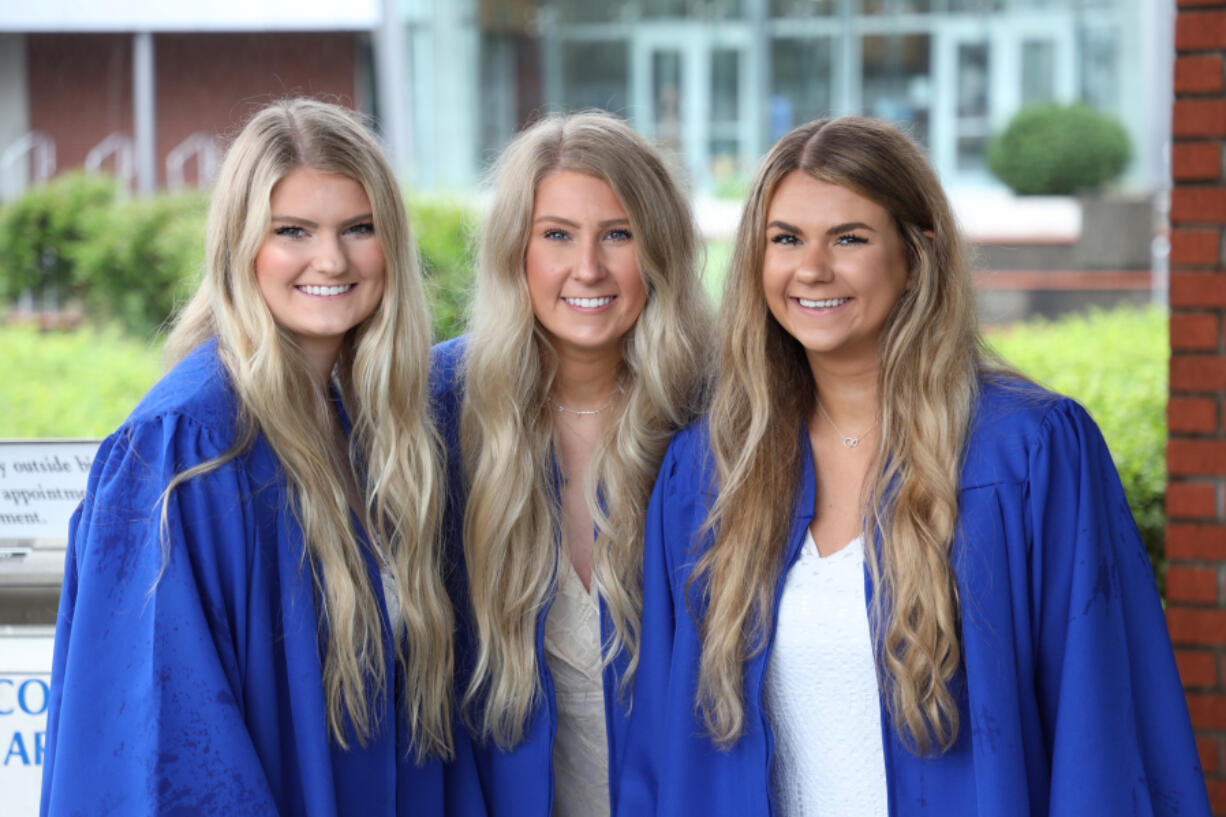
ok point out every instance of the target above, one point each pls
(197, 390)
(1014, 422)
(447, 359)
(447, 384)
(688, 467)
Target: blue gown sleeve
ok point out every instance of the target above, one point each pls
(147, 713)
(638, 786)
(1115, 720)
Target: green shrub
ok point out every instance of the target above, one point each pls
(1056, 149)
(42, 232)
(1115, 364)
(442, 230)
(145, 257)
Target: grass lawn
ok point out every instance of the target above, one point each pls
(71, 384)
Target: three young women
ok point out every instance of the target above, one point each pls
(587, 348)
(886, 575)
(253, 619)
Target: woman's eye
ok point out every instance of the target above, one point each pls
(365, 228)
(786, 239)
(849, 239)
(289, 231)
(618, 235)
(554, 234)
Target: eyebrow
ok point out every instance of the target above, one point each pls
(845, 227)
(306, 222)
(559, 220)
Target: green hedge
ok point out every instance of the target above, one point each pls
(144, 257)
(42, 232)
(443, 231)
(1115, 364)
(1053, 149)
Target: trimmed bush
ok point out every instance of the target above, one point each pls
(442, 230)
(42, 232)
(145, 256)
(1058, 150)
(1115, 364)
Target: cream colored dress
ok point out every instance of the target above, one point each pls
(572, 653)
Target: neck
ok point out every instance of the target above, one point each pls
(583, 382)
(320, 358)
(848, 394)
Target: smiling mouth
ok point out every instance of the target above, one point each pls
(311, 289)
(591, 303)
(828, 303)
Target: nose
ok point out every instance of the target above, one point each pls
(814, 266)
(329, 257)
(589, 267)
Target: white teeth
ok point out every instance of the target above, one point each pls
(589, 303)
(311, 289)
(826, 304)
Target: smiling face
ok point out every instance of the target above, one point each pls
(833, 269)
(320, 268)
(580, 263)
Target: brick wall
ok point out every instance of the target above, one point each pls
(1196, 453)
(80, 85)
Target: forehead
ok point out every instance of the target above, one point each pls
(801, 199)
(308, 188)
(571, 194)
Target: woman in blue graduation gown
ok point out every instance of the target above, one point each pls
(586, 350)
(886, 575)
(253, 618)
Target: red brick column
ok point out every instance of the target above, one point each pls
(1196, 452)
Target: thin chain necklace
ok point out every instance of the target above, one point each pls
(849, 441)
(580, 412)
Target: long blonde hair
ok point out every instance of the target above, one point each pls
(928, 380)
(512, 514)
(381, 375)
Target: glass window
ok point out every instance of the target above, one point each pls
(801, 80)
(724, 137)
(595, 75)
(1038, 71)
(582, 11)
(972, 112)
(896, 81)
(666, 98)
(882, 7)
(686, 9)
(974, 6)
(803, 8)
(1098, 67)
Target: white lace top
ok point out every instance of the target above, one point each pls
(572, 653)
(821, 693)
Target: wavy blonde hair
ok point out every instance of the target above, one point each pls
(381, 375)
(931, 356)
(512, 517)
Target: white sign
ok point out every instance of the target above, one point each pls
(25, 681)
(41, 483)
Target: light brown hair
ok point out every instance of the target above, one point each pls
(930, 361)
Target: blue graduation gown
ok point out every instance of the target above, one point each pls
(1069, 699)
(196, 689)
(516, 782)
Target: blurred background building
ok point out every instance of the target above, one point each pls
(149, 90)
